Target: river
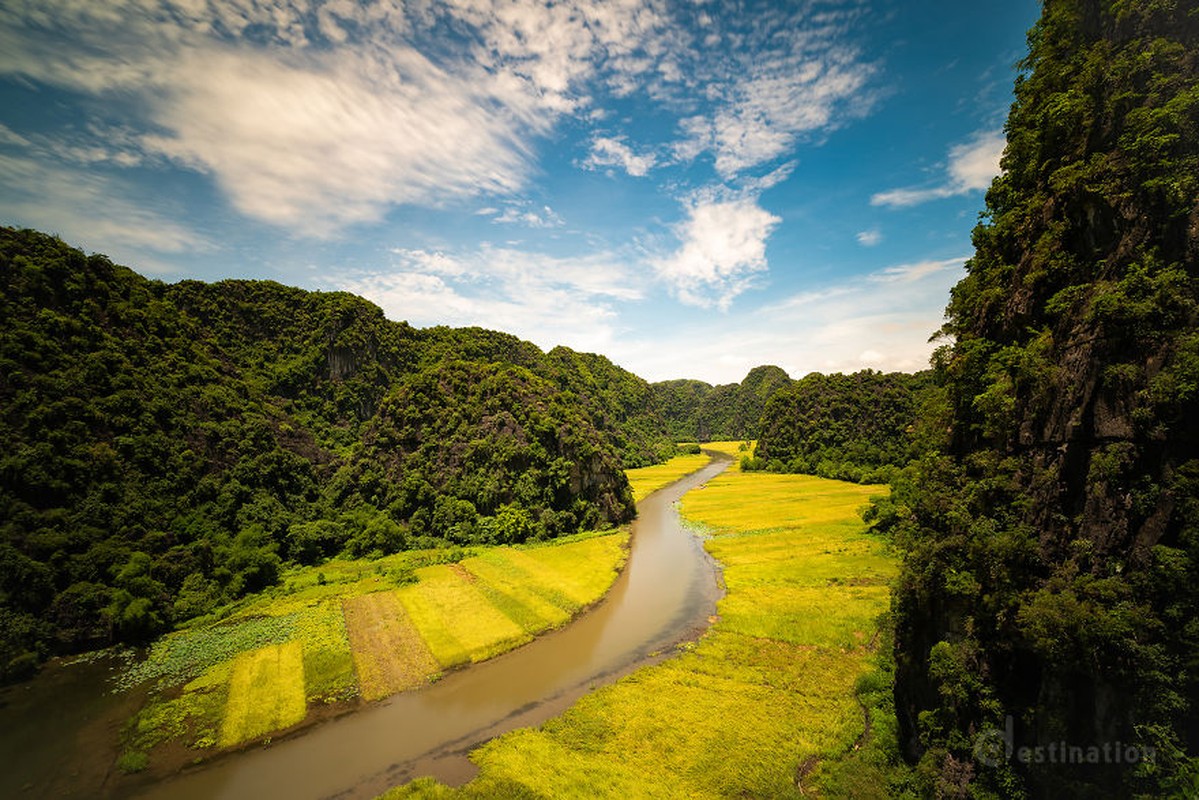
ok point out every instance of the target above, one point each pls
(665, 595)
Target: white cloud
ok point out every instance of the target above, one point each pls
(432, 263)
(318, 114)
(769, 111)
(94, 146)
(881, 320)
(544, 299)
(524, 214)
(336, 140)
(784, 74)
(971, 167)
(609, 151)
(89, 207)
(722, 246)
(10, 137)
(870, 237)
(871, 357)
(315, 115)
(910, 273)
(755, 185)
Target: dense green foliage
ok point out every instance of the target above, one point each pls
(168, 447)
(486, 453)
(857, 427)
(620, 402)
(699, 412)
(1052, 568)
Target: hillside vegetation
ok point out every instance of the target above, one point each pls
(695, 411)
(170, 447)
(1051, 585)
(858, 427)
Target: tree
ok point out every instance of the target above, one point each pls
(1050, 552)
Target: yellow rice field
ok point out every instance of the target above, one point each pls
(359, 629)
(455, 618)
(647, 480)
(266, 693)
(769, 703)
(736, 448)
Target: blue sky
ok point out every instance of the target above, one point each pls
(690, 188)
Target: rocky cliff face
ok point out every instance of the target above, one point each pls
(1051, 554)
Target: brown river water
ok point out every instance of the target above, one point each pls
(665, 595)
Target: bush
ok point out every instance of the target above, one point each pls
(132, 761)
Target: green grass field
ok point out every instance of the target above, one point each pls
(358, 629)
(769, 703)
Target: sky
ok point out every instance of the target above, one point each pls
(690, 188)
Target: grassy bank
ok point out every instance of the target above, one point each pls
(647, 480)
(353, 631)
(787, 695)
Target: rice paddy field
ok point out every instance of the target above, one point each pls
(352, 631)
(647, 480)
(736, 449)
(786, 696)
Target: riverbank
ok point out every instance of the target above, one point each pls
(666, 594)
(332, 638)
(787, 695)
(644, 481)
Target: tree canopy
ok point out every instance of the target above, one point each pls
(695, 411)
(168, 447)
(858, 427)
(1053, 549)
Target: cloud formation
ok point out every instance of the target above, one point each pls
(545, 299)
(870, 237)
(315, 115)
(609, 151)
(334, 140)
(882, 320)
(774, 75)
(89, 206)
(318, 114)
(722, 247)
(971, 167)
(524, 214)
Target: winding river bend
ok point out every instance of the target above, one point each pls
(665, 595)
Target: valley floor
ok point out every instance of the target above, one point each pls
(331, 637)
(787, 695)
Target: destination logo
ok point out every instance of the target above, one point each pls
(993, 747)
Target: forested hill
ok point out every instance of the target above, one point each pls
(857, 427)
(167, 447)
(698, 411)
(1051, 586)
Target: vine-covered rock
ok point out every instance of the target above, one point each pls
(1052, 574)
